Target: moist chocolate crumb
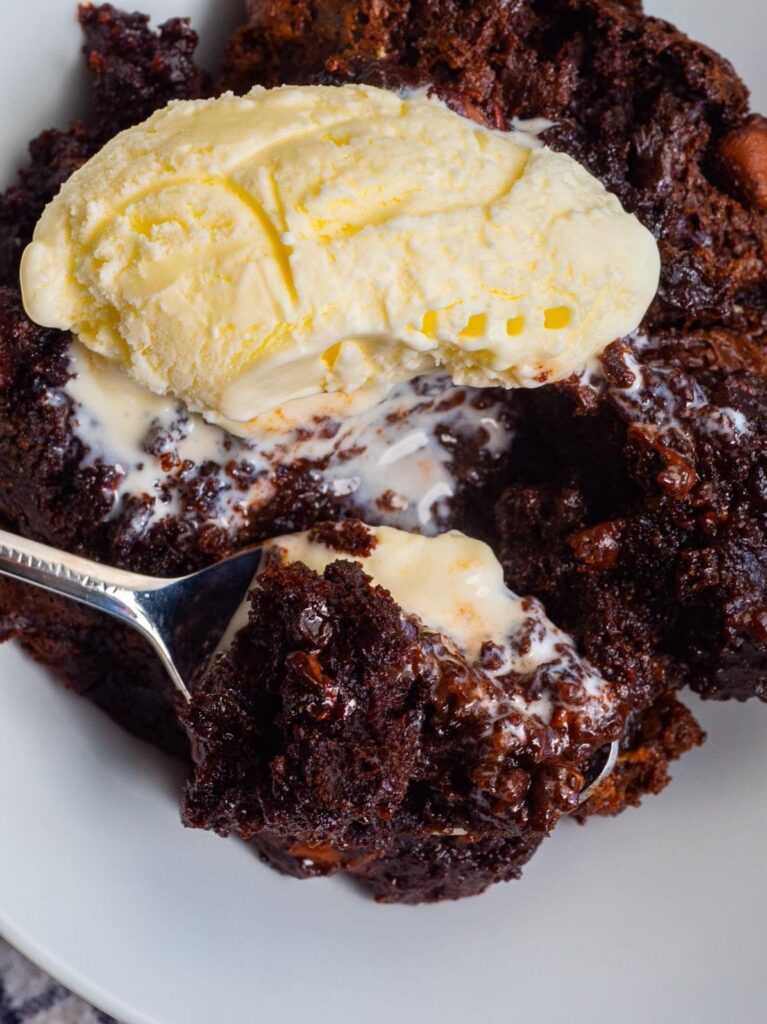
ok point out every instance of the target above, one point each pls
(350, 537)
(352, 737)
(135, 71)
(665, 732)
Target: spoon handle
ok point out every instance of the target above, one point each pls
(118, 593)
(110, 590)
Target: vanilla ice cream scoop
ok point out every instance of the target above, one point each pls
(245, 252)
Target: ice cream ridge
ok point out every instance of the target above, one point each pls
(241, 253)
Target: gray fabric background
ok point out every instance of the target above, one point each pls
(27, 996)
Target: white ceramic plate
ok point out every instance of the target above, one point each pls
(659, 916)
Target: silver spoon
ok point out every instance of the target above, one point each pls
(183, 619)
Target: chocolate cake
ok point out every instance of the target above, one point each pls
(629, 500)
(348, 733)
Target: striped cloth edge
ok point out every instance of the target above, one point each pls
(28, 996)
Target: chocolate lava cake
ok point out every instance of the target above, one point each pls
(630, 501)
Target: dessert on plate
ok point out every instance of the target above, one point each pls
(464, 315)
